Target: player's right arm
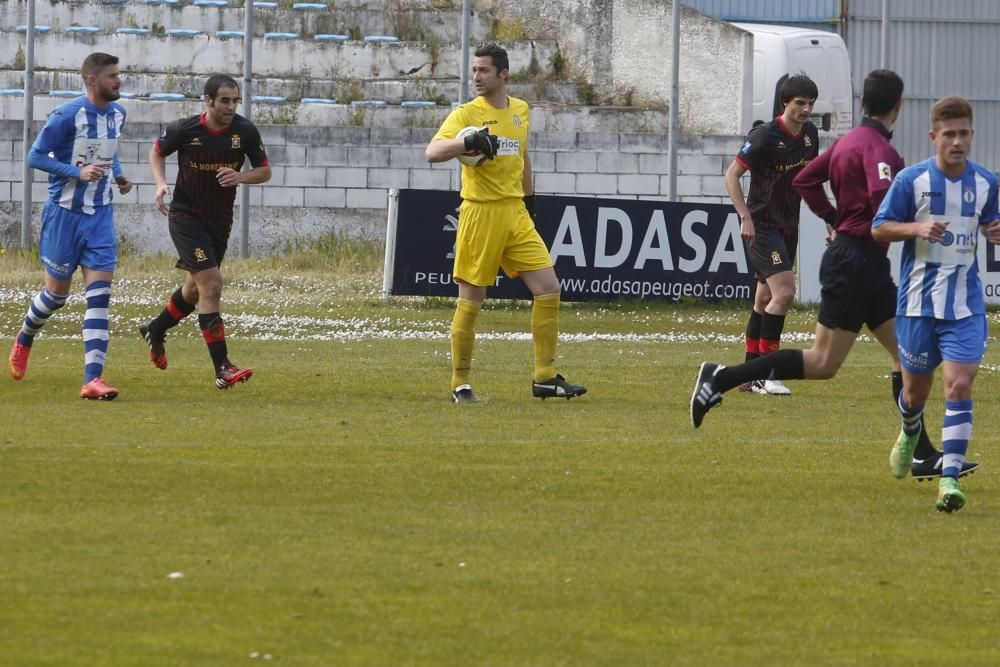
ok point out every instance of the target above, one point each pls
(735, 189)
(59, 132)
(444, 146)
(894, 220)
(167, 143)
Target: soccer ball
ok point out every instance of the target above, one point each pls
(470, 158)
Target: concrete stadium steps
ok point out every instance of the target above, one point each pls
(418, 23)
(443, 90)
(295, 59)
(551, 123)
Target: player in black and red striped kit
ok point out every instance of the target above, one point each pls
(769, 218)
(211, 149)
(855, 275)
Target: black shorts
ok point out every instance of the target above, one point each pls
(773, 251)
(856, 286)
(199, 246)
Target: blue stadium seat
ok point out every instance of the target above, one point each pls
(38, 28)
(129, 96)
(417, 104)
(210, 3)
(265, 4)
(331, 38)
(65, 93)
(113, 2)
(133, 31)
(84, 29)
(173, 97)
(11, 92)
(317, 100)
(270, 99)
(281, 35)
(183, 32)
(163, 2)
(380, 39)
(368, 103)
(228, 34)
(311, 6)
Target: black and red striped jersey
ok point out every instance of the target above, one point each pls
(774, 156)
(201, 152)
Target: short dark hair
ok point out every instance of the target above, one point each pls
(799, 85)
(950, 108)
(497, 54)
(882, 92)
(217, 81)
(95, 62)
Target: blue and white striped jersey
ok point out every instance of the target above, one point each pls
(941, 279)
(77, 134)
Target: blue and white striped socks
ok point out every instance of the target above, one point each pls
(95, 329)
(955, 436)
(39, 312)
(911, 416)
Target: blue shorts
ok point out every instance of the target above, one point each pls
(71, 239)
(926, 341)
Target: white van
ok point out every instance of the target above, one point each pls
(782, 51)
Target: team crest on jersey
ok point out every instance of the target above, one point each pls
(775, 258)
(884, 172)
(969, 195)
(195, 142)
(517, 121)
(236, 141)
(781, 144)
(199, 255)
(808, 142)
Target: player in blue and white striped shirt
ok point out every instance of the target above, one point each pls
(937, 208)
(78, 147)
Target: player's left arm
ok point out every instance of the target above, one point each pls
(989, 219)
(260, 171)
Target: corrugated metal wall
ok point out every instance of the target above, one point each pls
(939, 48)
(816, 14)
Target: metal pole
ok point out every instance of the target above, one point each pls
(675, 67)
(27, 126)
(463, 84)
(883, 58)
(389, 264)
(248, 112)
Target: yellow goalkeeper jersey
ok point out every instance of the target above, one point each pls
(502, 177)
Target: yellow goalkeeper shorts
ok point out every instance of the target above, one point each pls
(497, 234)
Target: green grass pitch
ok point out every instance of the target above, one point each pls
(339, 510)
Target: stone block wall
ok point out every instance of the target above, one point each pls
(336, 179)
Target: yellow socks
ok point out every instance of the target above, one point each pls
(545, 331)
(463, 338)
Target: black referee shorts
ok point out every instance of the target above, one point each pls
(773, 251)
(199, 246)
(856, 286)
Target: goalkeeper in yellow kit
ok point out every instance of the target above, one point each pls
(495, 227)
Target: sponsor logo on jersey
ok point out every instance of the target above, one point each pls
(508, 146)
(195, 142)
(517, 121)
(969, 195)
(746, 147)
